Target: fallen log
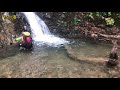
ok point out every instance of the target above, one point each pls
(110, 36)
(97, 34)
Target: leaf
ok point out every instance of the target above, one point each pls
(109, 13)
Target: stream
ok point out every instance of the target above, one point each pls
(52, 62)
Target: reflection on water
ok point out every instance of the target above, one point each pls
(46, 61)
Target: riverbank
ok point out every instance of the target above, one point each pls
(94, 57)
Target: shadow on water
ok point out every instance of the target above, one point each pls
(8, 52)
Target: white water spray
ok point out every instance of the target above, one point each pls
(40, 31)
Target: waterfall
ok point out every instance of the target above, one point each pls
(40, 31)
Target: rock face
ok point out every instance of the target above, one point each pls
(59, 23)
(7, 32)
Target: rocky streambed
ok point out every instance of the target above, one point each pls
(79, 60)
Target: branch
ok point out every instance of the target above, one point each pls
(110, 36)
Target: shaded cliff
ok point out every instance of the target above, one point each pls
(82, 24)
(7, 32)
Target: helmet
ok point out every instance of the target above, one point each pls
(26, 33)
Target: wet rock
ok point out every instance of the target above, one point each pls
(7, 31)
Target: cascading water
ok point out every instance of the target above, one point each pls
(40, 31)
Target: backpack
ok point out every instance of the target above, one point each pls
(27, 39)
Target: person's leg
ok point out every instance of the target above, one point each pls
(20, 45)
(30, 46)
(24, 45)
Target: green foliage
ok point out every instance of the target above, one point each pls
(62, 23)
(91, 15)
(76, 21)
(109, 14)
(98, 14)
(108, 17)
(109, 21)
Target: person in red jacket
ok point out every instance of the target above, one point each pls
(25, 40)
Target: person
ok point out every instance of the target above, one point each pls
(25, 40)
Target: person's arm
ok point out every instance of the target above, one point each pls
(19, 38)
